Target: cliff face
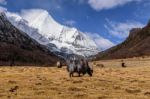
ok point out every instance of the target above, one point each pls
(17, 48)
(137, 44)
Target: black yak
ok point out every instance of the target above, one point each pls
(59, 64)
(123, 64)
(79, 66)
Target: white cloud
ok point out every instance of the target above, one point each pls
(101, 42)
(2, 9)
(31, 14)
(3, 2)
(121, 30)
(70, 22)
(108, 4)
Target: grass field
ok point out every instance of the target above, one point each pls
(110, 82)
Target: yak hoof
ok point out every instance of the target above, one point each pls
(71, 74)
(79, 75)
(90, 73)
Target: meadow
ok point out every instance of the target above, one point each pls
(110, 82)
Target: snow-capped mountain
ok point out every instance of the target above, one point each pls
(39, 25)
(17, 48)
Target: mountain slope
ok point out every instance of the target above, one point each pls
(17, 46)
(137, 44)
(44, 29)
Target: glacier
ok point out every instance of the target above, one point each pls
(40, 26)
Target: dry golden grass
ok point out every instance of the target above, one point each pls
(110, 82)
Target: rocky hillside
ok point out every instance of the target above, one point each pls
(137, 44)
(17, 48)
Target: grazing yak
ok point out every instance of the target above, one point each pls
(78, 66)
(59, 64)
(123, 64)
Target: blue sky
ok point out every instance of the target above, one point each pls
(107, 21)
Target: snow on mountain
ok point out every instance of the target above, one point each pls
(22, 24)
(44, 29)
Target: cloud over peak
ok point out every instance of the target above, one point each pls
(101, 42)
(108, 4)
(70, 23)
(121, 29)
(2, 9)
(4, 2)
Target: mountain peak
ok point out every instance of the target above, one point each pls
(44, 29)
(17, 48)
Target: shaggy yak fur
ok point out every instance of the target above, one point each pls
(79, 66)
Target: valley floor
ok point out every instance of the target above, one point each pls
(110, 82)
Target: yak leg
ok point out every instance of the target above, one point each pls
(89, 71)
(71, 74)
(79, 74)
(90, 74)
